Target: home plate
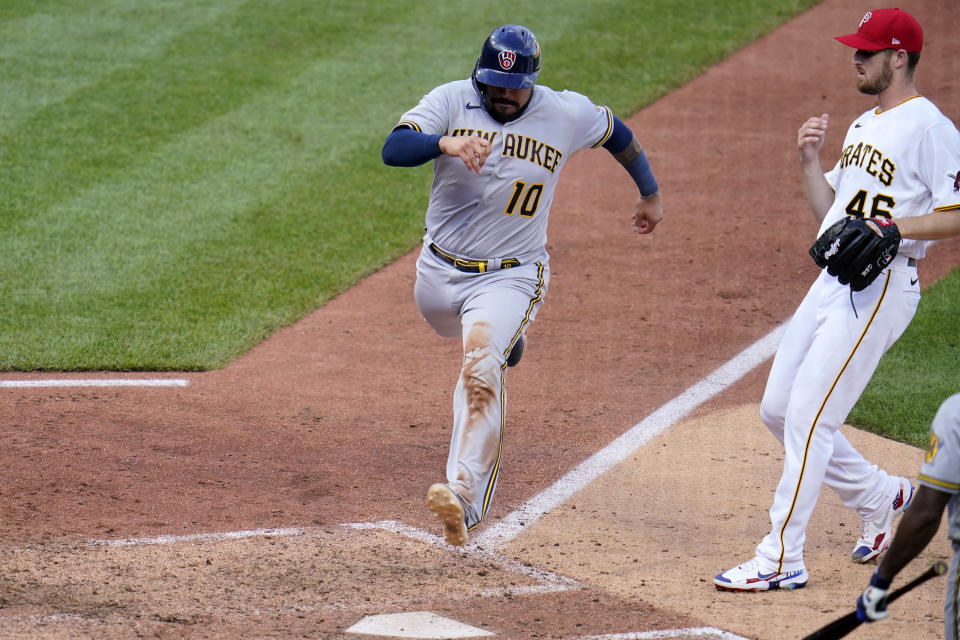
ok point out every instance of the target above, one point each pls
(416, 624)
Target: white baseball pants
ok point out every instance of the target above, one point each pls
(489, 311)
(827, 356)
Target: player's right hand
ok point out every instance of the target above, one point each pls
(473, 150)
(872, 603)
(810, 137)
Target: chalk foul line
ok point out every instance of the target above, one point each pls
(95, 382)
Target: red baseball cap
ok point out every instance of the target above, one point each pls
(886, 29)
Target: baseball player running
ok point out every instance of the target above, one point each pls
(498, 142)
(899, 161)
(939, 482)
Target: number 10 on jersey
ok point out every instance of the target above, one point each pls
(527, 198)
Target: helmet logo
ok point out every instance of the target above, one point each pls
(866, 18)
(507, 58)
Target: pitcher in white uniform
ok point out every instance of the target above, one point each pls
(498, 142)
(899, 160)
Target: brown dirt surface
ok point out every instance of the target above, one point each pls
(295, 477)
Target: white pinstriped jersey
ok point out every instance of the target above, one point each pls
(941, 465)
(503, 212)
(900, 162)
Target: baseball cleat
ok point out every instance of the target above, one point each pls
(875, 535)
(752, 576)
(517, 352)
(445, 505)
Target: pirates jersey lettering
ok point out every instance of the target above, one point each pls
(877, 165)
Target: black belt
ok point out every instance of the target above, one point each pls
(471, 266)
(911, 262)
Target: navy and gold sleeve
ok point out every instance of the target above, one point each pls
(625, 147)
(408, 147)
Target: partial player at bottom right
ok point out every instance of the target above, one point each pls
(939, 482)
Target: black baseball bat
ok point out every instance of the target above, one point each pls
(845, 624)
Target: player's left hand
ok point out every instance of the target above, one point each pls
(855, 250)
(648, 212)
(872, 603)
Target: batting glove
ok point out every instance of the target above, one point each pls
(872, 603)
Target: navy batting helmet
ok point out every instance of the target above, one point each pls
(510, 58)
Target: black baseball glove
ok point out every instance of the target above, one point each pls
(856, 250)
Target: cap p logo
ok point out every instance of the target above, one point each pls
(507, 58)
(886, 29)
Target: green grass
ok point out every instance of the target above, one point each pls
(919, 372)
(182, 178)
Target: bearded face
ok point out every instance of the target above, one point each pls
(507, 104)
(874, 70)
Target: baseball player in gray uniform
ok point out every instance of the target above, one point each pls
(498, 142)
(899, 162)
(939, 482)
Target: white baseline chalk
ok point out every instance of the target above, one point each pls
(94, 382)
(703, 633)
(205, 537)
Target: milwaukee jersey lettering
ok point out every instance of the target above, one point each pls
(503, 211)
(525, 148)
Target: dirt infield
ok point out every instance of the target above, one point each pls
(284, 495)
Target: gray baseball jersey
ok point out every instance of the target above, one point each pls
(503, 212)
(941, 471)
(941, 465)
